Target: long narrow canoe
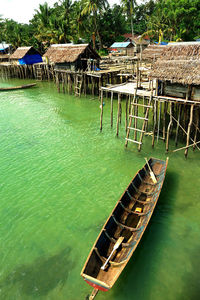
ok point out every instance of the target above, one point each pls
(127, 221)
(25, 86)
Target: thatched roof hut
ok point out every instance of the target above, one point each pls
(4, 57)
(178, 64)
(178, 68)
(26, 56)
(69, 56)
(152, 52)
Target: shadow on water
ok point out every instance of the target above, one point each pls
(40, 277)
(136, 280)
(191, 279)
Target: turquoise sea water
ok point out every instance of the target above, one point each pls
(59, 180)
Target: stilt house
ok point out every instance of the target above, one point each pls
(5, 49)
(152, 53)
(26, 56)
(139, 44)
(178, 71)
(124, 48)
(72, 57)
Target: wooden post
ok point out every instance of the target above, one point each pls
(63, 83)
(177, 126)
(159, 115)
(101, 119)
(118, 112)
(169, 127)
(126, 113)
(129, 109)
(92, 86)
(156, 87)
(120, 115)
(111, 113)
(164, 119)
(196, 126)
(154, 120)
(189, 128)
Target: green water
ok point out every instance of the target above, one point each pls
(59, 180)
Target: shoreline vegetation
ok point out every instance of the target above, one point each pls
(96, 22)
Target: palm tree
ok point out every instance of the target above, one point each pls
(129, 8)
(43, 14)
(93, 7)
(157, 26)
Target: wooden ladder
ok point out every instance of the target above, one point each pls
(78, 84)
(134, 117)
(38, 73)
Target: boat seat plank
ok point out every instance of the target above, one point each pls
(134, 212)
(137, 200)
(113, 240)
(132, 229)
(142, 192)
(112, 263)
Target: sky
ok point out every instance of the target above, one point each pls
(22, 10)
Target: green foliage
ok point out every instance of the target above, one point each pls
(96, 22)
(176, 20)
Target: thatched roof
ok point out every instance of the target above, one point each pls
(178, 64)
(152, 52)
(136, 39)
(4, 56)
(22, 51)
(61, 53)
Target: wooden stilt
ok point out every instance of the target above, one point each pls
(196, 127)
(111, 114)
(101, 119)
(185, 131)
(164, 119)
(126, 113)
(177, 127)
(155, 106)
(169, 127)
(189, 128)
(159, 115)
(118, 112)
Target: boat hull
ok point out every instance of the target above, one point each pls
(126, 222)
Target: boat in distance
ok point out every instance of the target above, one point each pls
(12, 88)
(124, 227)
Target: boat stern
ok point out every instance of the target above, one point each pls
(95, 283)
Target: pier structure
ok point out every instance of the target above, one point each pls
(168, 106)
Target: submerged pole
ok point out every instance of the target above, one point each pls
(101, 118)
(189, 128)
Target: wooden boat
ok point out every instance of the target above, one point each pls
(25, 86)
(125, 226)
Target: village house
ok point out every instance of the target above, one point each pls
(5, 50)
(72, 57)
(122, 48)
(178, 71)
(139, 44)
(26, 56)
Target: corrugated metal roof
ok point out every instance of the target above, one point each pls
(120, 45)
(4, 46)
(184, 43)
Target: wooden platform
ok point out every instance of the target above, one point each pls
(129, 88)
